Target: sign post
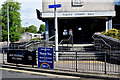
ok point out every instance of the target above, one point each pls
(45, 58)
(56, 26)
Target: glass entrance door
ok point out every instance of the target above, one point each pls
(82, 28)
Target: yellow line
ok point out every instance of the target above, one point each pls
(79, 62)
(38, 73)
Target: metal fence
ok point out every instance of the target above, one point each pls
(82, 61)
(88, 61)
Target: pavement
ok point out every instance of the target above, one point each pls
(66, 73)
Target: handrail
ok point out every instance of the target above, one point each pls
(34, 43)
(66, 39)
(50, 38)
(24, 44)
(103, 42)
(106, 43)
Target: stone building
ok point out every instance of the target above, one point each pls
(84, 17)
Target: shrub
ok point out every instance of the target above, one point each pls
(113, 33)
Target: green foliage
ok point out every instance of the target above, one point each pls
(14, 36)
(14, 21)
(113, 33)
(41, 29)
(31, 29)
(21, 30)
(103, 32)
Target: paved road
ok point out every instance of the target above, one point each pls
(13, 73)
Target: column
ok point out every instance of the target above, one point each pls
(108, 23)
(46, 30)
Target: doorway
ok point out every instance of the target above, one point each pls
(83, 29)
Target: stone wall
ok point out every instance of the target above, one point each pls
(114, 43)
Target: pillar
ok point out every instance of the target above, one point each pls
(108, 23)
(46, 30)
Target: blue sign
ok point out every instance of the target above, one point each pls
(45, 58)
(55, 6)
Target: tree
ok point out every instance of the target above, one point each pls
(21, 30)
(42, 28)
(32, 29)
(14, 20)
(0, 27)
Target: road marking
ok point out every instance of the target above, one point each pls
(79, 62)
(38, 73)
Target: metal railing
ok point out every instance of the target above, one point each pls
(35, 42)
(50, 38)
(86, 61)
(79, 61)
(112, 55)
(104, 43)
(66, 40)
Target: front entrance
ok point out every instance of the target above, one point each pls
(82, 28)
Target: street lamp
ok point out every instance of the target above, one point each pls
(8, 22)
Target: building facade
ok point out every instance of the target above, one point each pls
(27, 36)
(82, 17)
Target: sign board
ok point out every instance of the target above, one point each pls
(21, 57)
(45, 58)
(77, 2)
(55, 6)
(80, 14)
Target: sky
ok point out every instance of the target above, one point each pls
(28, 12)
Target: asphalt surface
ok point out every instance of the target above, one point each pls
(14, 74)
(22, 74)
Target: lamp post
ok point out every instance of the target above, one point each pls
(56, 30)
(8, 22)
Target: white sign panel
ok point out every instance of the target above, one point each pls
(77, 2)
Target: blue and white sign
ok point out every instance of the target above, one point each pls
(55, 6)
(45, 58)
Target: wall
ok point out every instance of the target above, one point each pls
(88, 5)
